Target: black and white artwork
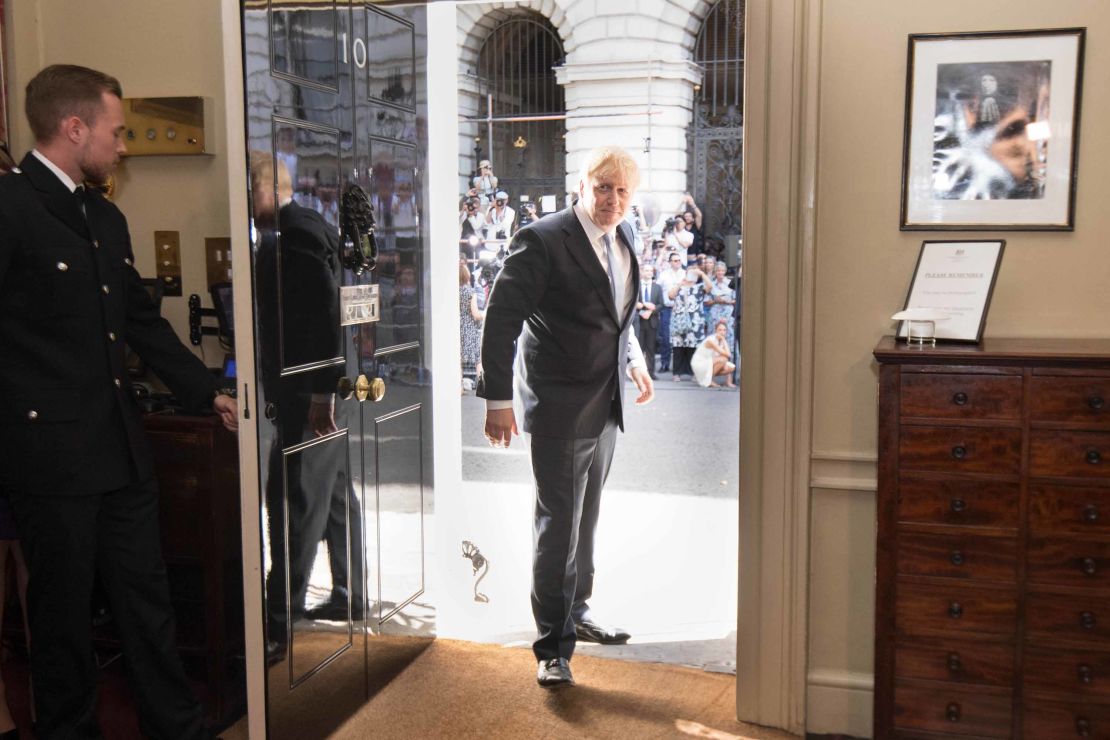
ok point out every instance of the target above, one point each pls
(991, 130)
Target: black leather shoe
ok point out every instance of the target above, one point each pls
(335, 610)
(593, 632)
(553, 673)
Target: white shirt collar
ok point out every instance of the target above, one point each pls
(593, 231)
(66, 180)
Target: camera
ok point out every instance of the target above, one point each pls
(489, 264)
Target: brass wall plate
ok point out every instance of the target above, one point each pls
(164, 126)
(167, 258)
(218, 252)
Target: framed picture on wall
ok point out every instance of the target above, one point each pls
(992, 130)
(952, 286)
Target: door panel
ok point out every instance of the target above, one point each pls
(335, 103)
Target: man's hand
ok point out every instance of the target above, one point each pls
(228, 410)
(500, 426)
(643, 383)
(321, 416)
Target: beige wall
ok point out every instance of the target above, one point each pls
(156, 48)
(1049, 284)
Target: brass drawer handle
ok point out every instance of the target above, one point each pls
(1089, 566)
(1087, 621)
(954, 664)
(960, 452)
(1094, 457)
(1084, 673)
(1096, 403)
(960, 398)
(1082, 727)
(957, 557)
(956, 610)
(952, 711)
(1090, 513)
(959, 506)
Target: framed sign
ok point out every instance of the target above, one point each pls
(954, 280)
(992, 130)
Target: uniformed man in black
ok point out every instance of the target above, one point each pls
(76, 466)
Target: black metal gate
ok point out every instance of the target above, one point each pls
(518, 93)
(715, 143)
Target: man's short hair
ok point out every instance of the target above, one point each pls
(63, 90)
(610, 161)
(262, 175)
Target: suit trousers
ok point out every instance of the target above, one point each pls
(664, 338)
(570, 474)
(67, 539)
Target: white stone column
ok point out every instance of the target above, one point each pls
(642, 105)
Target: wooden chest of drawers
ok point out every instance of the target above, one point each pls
(993, 563)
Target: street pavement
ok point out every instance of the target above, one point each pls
(666, 540)
(684, 442)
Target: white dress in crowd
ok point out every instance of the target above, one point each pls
(702, 362)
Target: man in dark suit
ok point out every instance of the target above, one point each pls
(77, 468)
(571, 281)
(647, 315)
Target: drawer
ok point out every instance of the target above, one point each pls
(960, 502)
(1069, 562)
(957, 608)
(1052, 720)
(944, 396)
(1069, 510)
(960, 449)
(957, 556)
(958, 661)
(1082, 400)
(955, 710)
(1078, 674)
(1069, 454)
(1083, 619)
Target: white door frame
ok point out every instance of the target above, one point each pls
(782, 40)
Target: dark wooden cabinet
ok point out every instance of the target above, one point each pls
(197, 464)
(993, 561)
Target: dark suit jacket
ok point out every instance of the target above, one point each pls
(70, 300)
(571, 353)
(656, 297)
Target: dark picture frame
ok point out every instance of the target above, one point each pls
(991, 136)
(956, 278)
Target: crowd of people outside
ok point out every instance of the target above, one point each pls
(687, 316)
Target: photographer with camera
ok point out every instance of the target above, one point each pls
(527, 213)
(500, 217)
(471, 226)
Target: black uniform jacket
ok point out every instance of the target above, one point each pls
(571, 352)
(70, 300)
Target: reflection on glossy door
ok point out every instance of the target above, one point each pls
(335, 100)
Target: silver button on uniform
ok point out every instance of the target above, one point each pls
(96, 244)
(105, 290)
(111, 336)
(127, 261)
(62, 266)
(32, 414)
(118, 383)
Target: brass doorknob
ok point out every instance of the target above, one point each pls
(377, 389)
(359, 388)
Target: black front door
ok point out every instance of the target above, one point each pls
(337, 139)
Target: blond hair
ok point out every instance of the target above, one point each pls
(610, 162)
(262, 175)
